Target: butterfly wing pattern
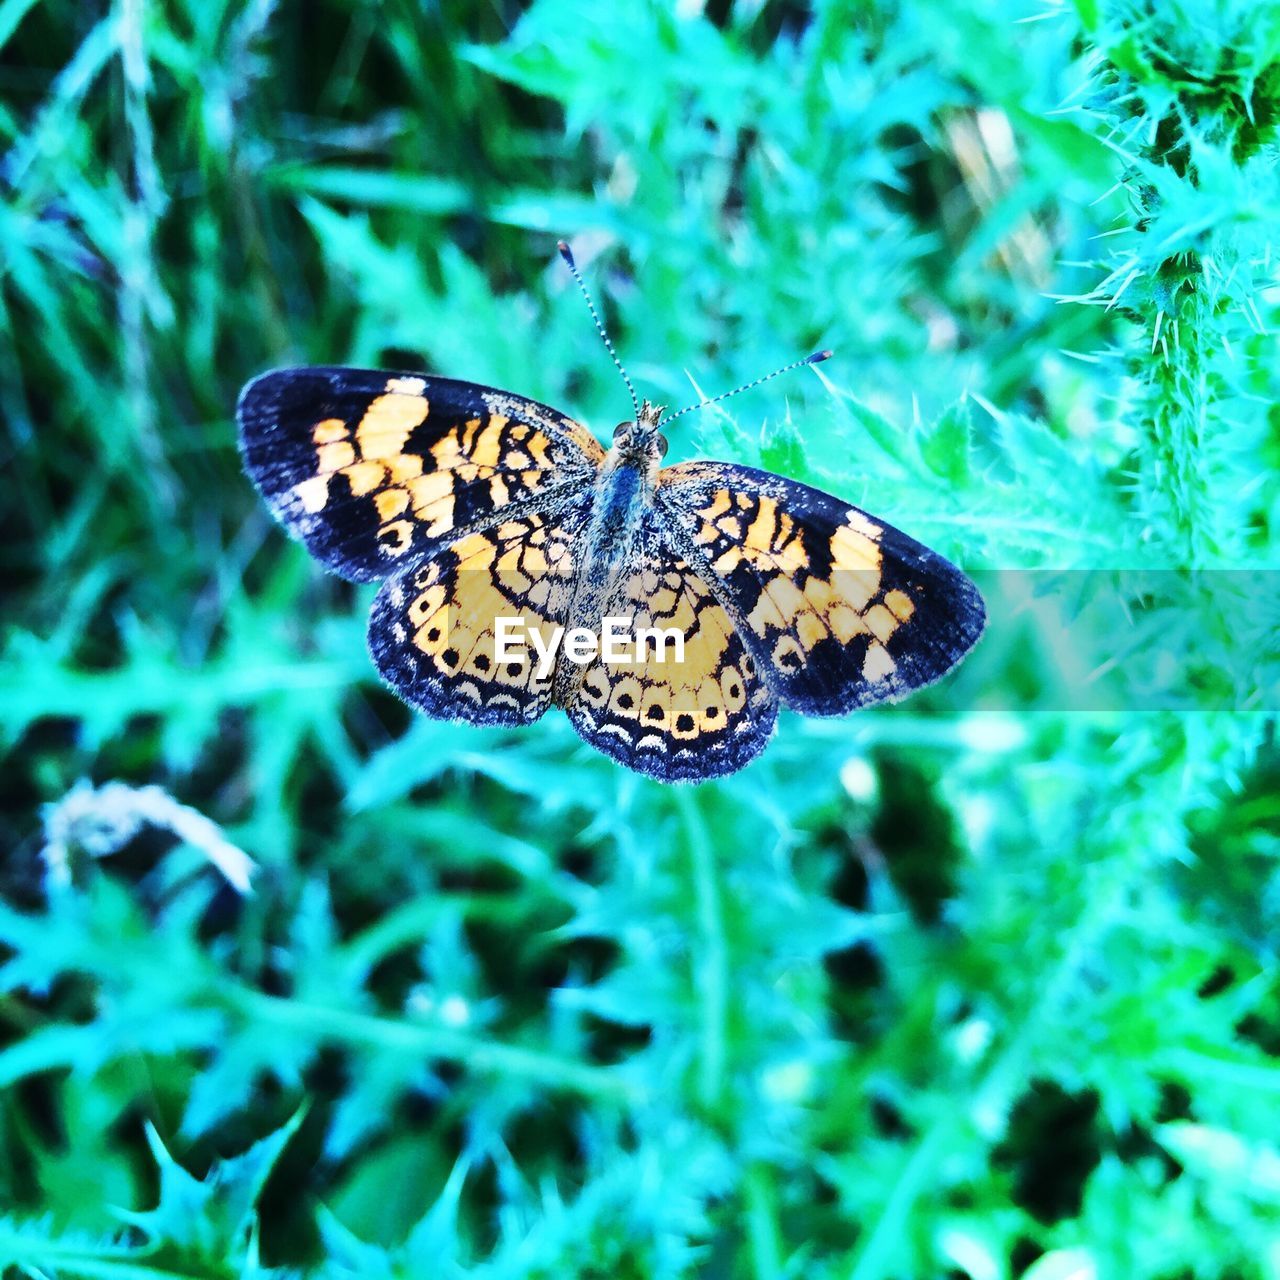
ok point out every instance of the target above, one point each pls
(373, 471)
(840, 610)
(704, 716)
(432, 628)
(474, 504)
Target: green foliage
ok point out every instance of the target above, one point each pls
(983, 985)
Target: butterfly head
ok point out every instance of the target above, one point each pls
(640, 442)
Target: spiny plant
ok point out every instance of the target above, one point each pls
(1188, 96)
(934, 990)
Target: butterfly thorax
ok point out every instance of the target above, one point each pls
(624, 490)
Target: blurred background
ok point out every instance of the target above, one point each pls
(980, 986)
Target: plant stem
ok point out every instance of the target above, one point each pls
(465, 1048)
(762, 1222)
(711, 967)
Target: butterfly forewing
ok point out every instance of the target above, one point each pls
(374, 471)
(838, 608)
(705, 714)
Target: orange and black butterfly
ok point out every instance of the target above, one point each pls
(491, 519)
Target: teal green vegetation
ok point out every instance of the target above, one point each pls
(981, 986)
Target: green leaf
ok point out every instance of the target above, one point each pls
(1224, 1157)
(1063, 1264)
(782, 449)
(212, 1218)
(945, 446)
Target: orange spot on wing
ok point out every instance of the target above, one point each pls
(878, 664)
(364, 477)
(430, 489)
(853, 550)
(760, 533)
(333, 457)
(391, 503)
(810, 628)
(384, 429)
(407, 466)
(899, 604)
(329, 430)
(880, 622)
(313, 493)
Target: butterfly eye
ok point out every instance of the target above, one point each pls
(663, 446)
(621, 430)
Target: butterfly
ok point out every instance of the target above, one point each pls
(507, 540)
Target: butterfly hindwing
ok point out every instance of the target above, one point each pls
(375, 470)
(839, 609)
(702, 717)
(432, 631)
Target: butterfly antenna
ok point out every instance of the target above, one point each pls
(567, 255)
(817, 358)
